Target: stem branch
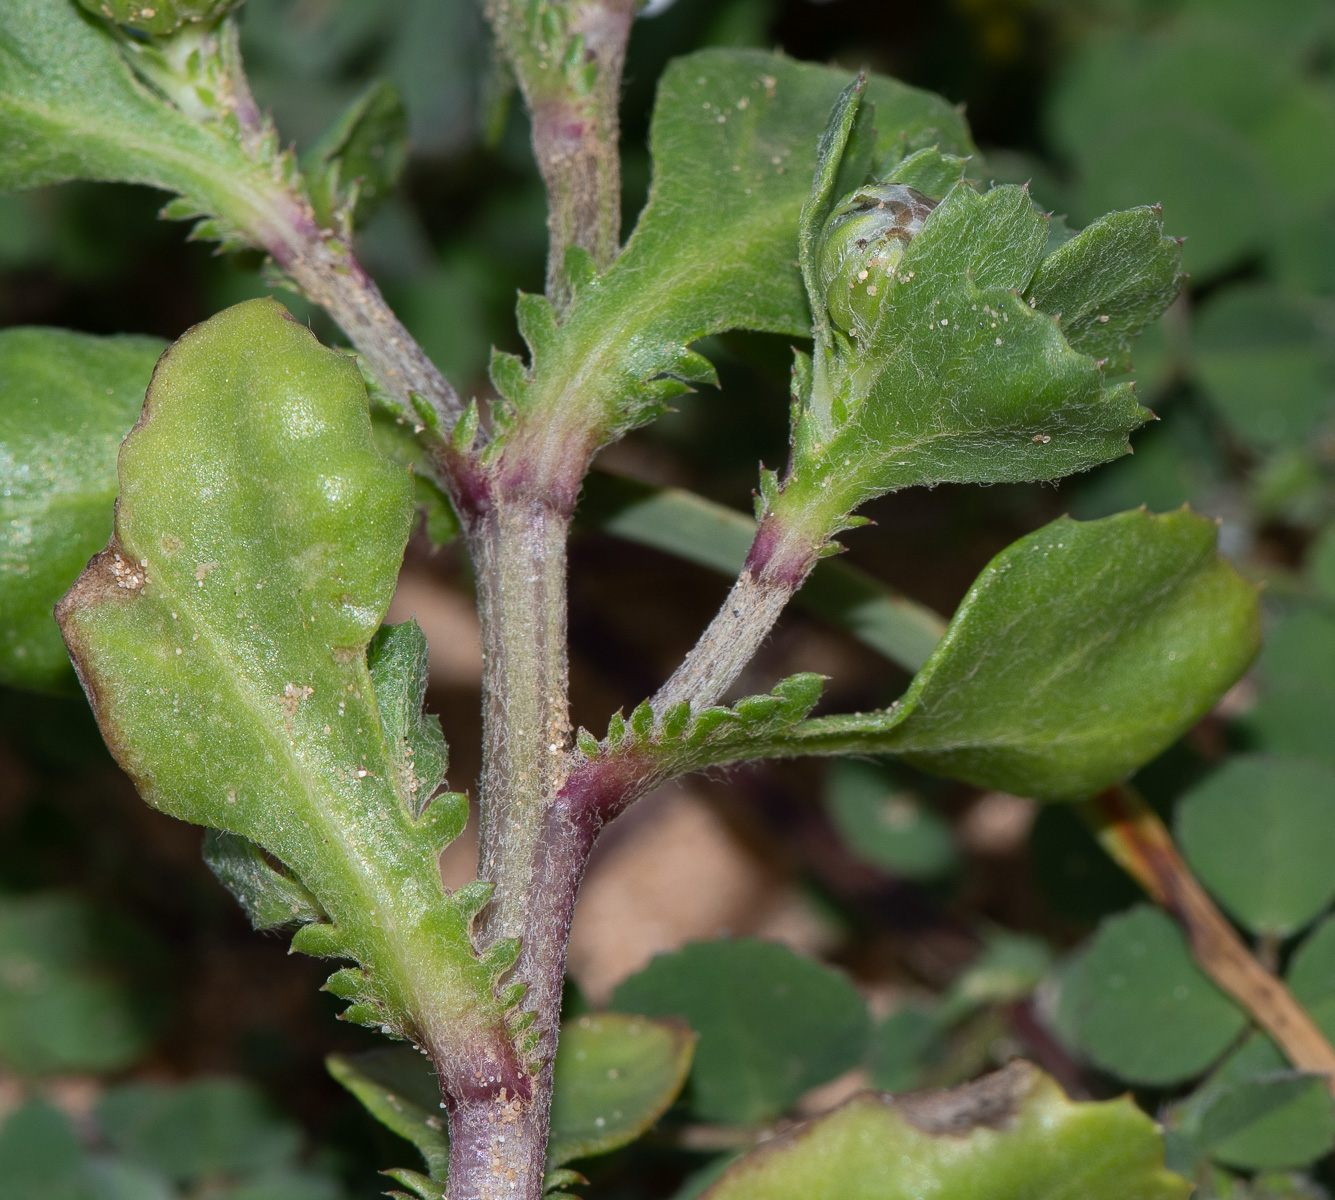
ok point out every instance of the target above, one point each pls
(1137, 840)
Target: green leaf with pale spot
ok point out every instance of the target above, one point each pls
(1009, 1136)
(1109, 282)
(72, 108)
(733, 140)
(66, 400)
(959, 380)
(221, 638)
(615, 1075)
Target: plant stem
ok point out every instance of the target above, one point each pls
(575, 136)
(519, 552)
(1137, 840)
(779, 561)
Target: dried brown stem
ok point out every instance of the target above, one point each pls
(1131, 832)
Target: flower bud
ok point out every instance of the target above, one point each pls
(864, 240)
(158, 17)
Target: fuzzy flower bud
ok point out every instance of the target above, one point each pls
(864, 240)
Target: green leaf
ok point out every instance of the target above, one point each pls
(1254, 1113)
(66, 400)
(65, 1005)
(1109, 282)
(1266, 360)
(903, 1047)
(40, 1156)
(615, 1075)
(271, 897)
(884, 823)
(398, 1088)
(1260, 834)
(1139, 1006)
(1074, 873)
(1081, 652)
(1295, 711)
(772, 1023)
(1010, 967)
(207, 1128)
(1311, 975)
(733, 139)
(715, 536)
(397, 658)
(353, 166)
(1009, 1136)
(959, 380)
(72, 108)
(221, 638)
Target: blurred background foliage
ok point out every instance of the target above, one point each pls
(149, 1039)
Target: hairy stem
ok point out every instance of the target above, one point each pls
(519, 551)
(575, 131)
(778, 563)
(1137, 840)
(326, 271)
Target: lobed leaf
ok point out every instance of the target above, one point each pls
(353, 166)
(271, 897)
(398, 1088)
(66, 401)
(221, 638)
(1109, 282)
(71, 107)
(1009, 1136)
(959, 380)
(733, 140)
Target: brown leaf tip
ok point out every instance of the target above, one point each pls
(992, 1102)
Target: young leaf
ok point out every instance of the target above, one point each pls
(615, 1075)
(96, 120)
(397, 658)
(1260, 834)
(958, 380)
(734, 145)
(353, 166)
(221, 638)
(271, 897)
(771, 1023)
(1109, 282)
(1009, 1136)
(66, 400)
(398, 1088)
(1139, 1006)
